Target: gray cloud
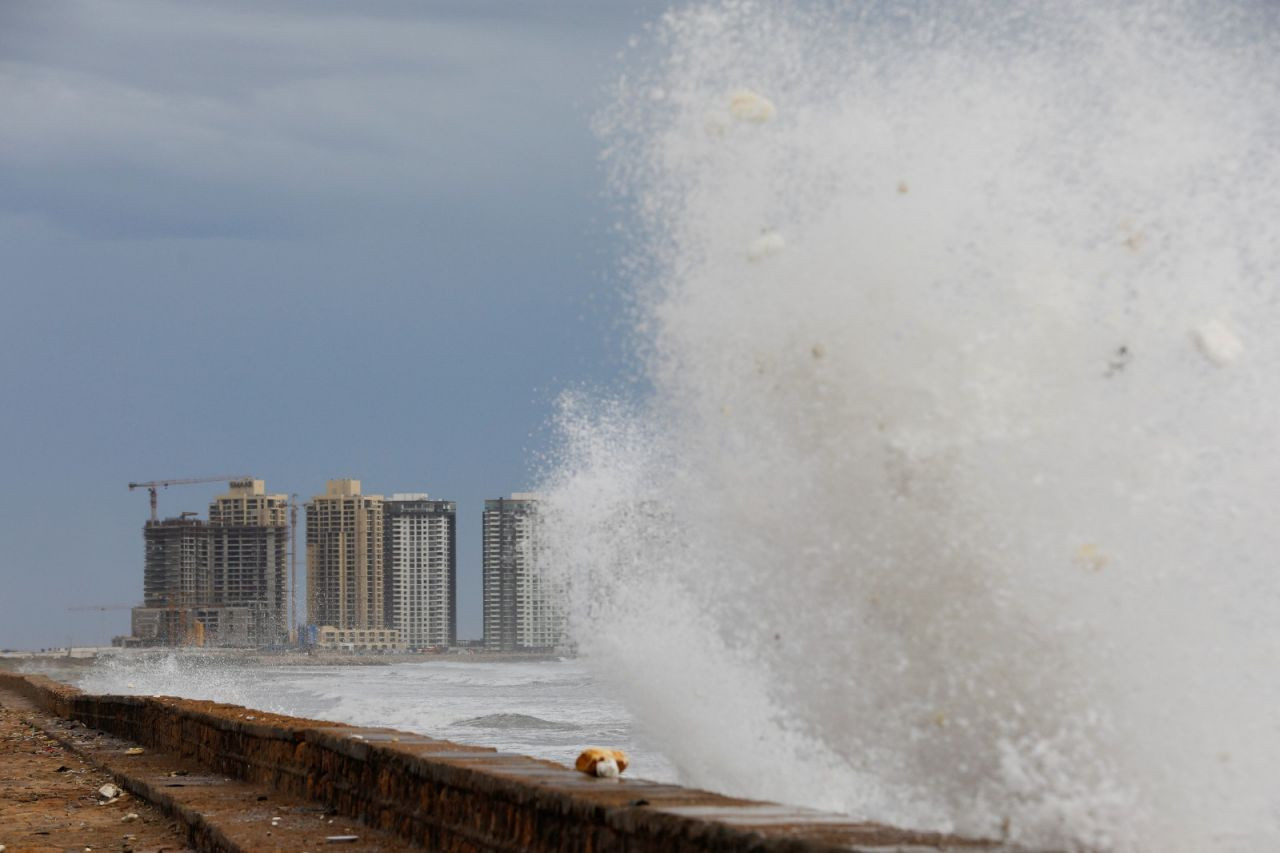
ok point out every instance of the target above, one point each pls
(263, 111)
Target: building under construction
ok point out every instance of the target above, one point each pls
(223, 582)
(175, 579)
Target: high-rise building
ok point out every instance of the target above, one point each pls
(247, 504)
(421, 569)
(248, 556)
(523, 608)
(175, 579)
(176, 563)
(345, 558)
(221, 582)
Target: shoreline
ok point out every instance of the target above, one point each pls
(89, 655)
(425, 791)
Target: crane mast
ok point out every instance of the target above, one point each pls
(293, 567)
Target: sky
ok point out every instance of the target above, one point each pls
(300, 240)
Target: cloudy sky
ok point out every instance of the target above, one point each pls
(300, 240)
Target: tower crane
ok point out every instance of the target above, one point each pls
(153, 485)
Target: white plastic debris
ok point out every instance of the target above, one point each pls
(129, 818)
(768, 243)
(751, 106)
(109, 792)
(1218, 343)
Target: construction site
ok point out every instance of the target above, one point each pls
(224, 581)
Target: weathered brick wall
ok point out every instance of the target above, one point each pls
(53, 696)
(446, 796)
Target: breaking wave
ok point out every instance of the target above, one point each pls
(515, 721)
(951, 505)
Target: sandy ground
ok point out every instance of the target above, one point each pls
(49, 800)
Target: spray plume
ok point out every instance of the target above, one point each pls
(951, 505)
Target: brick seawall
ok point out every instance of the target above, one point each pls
(447, 796)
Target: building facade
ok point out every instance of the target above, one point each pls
(523, 607)
(421, 569)
(345, 580)
(175, 579)
(359, 639)
(175, 563)
(221, 582)
(249, 564)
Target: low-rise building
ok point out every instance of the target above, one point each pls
(359, 639)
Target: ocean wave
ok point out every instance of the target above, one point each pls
(515, 721)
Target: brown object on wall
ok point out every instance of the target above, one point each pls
(589, 761)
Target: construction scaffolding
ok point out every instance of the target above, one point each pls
(223, 582)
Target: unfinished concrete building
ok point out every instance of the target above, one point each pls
(345, 586)
(421, 568)
(175, 578)
(249, 563)
(221, 582)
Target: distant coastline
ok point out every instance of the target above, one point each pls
(77, 657)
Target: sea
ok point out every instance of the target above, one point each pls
(549, 709)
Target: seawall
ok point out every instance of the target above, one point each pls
(447, 796)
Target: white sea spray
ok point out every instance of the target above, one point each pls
(952, 503)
